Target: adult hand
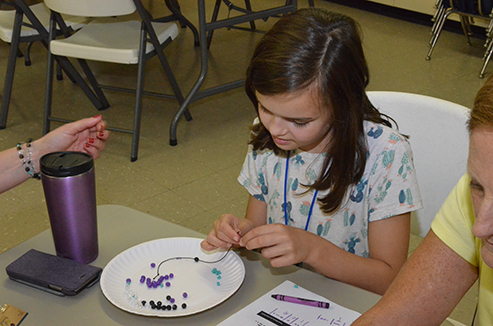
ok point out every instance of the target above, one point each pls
(86, 135)
(282, 245)
(227, 232)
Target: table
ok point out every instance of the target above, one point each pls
(120, 228)
(203, 30)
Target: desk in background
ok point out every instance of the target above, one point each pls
(204, 28)
(121, 228)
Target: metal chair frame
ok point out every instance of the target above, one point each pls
(247, 10)
(147, 35)
(21, 10)
(444, 9)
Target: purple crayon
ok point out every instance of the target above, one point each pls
(307, 302)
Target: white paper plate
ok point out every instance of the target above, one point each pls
(206, 284)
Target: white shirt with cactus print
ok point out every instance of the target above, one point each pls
(388, 187)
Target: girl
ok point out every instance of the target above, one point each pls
(331, 184)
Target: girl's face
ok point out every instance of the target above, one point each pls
(295, 121)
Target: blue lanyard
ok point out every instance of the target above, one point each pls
(285, 195)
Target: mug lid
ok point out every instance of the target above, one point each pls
(65, 164)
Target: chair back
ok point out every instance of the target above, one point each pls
(474, 7)
(92, 8)
(439, 140)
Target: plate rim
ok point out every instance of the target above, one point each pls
(146, 243)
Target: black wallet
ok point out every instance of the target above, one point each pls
(57, 275)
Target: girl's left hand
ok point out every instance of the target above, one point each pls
(282, 245)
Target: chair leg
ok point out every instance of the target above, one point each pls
(215, 13)
(172, 81)
(59, 74)
(93, 82)
(437, 18)
(49, 83)
(437, 34)
(174, 7)
(248, 6)
(138, 98)
(466, 28)
(9, 76)
(487, 57)
(27, 60)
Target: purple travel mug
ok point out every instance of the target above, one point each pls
(70, 191)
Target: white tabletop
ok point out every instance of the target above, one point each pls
(121, 228)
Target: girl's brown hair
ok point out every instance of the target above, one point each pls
(314, 49)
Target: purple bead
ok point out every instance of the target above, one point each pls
(168, 284)
(142, 279)
(171, 275)
(185, 294)
(153, 265)
(172, 300)
(154, 284)
(129, 281)
(166, 277)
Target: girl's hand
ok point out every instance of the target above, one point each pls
(282, 245)
(227, 232)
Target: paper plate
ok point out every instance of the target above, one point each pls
(207, 279)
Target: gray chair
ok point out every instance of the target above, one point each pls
(16, 27)
(111, 37)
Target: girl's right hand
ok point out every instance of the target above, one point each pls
(227, 232)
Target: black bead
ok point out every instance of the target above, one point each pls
(196, 259)
(168, 297)
(169, 307)
(183, 305)
(143, 302)
(175, 307)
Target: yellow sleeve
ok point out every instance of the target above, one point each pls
(453, 223)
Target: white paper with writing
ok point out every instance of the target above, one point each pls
(290, 313)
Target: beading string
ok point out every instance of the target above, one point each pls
(196, 259)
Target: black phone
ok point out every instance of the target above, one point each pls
(57, 275)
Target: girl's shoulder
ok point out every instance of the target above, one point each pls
(381, 137)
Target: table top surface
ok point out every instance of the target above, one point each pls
(120, 228)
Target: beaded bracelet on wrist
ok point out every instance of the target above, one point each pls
(26, 161)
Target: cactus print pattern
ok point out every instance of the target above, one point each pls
(388, 188)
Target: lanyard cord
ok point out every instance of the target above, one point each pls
(285, 190)
(285, 195)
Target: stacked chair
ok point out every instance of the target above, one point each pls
(468, 10)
